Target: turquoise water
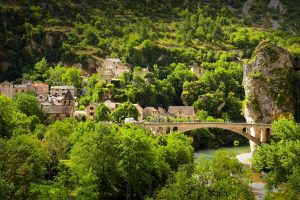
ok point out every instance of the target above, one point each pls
(210, 152)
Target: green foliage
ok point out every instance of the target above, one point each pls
(236, 143)
(72, 76)
(102, 113)
(6, 189)
(12, 121)
(28, 104)
(280, 158)
(221, 177)
(94, 163)
(125, 110)
(22, 169)
(176, 151)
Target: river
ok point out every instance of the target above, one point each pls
(243, 154)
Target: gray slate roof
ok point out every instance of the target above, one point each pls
(68, 96)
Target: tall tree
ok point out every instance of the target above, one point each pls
(125, 110)
(23, 161)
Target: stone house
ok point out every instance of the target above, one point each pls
(42, 97)
(20, 88)
(6, 88)
(163, 113)
(150, 112)
(40, 88)
(60, 112)
(112, 68)
(182, 111)
(111, 105)
(10, 89)
(62, 90)
(91, 110)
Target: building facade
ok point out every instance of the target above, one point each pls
(60, 112)
(62, 90)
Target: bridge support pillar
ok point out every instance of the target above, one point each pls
(253, 133)
(263, 137)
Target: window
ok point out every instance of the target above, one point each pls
(63, 94)
(92, 113)
(68, 115)
(91, 108)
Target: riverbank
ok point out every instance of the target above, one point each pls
(243, 154)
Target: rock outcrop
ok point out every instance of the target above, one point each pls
(269, 84)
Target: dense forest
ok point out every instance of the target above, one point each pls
(65, 42)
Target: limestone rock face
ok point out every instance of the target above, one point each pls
(269, 84)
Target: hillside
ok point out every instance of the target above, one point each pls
(87, 31)
(169, 38)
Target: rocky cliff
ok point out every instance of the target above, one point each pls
(269, 84)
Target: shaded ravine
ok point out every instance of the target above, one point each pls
(244, 155)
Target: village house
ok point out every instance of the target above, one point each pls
(112, 68)
(6, 88)
(42, 97)
(111, 105)
(62, 90)
(40, 88)
(20, 88)
(91, 110)
(150, 112)
(10, 89)
(182, 111)
(60, 112)
(163, 113)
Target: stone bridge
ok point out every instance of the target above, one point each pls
(257, 133)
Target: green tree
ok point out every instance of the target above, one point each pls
(102, 113)
(72, 76)
(7, 112)
(280, 158)
(28, 105)
(6, 189)
(57, 138)
(94, 162)
(221, 177)
(135, 164)
(125, 110)
(23, 161)
(39, 71)
(176, 151)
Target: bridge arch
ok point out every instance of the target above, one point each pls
(257, 133)
(243, 132)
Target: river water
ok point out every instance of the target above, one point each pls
(243, 154)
